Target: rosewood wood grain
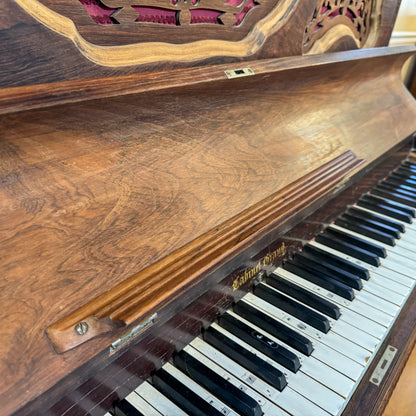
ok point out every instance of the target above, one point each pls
(98, 394)
(134, 299)
(42, 95)
(96, 192)
(32, 54)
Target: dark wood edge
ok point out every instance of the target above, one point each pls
(151, 289)
(45, 95)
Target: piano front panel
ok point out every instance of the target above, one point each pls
(140, 360)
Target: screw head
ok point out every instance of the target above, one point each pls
(81, 328)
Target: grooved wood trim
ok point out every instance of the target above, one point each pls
(146, 292)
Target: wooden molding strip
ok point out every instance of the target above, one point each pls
(15, 99)
(151, 289)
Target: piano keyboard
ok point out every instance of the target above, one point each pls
(302, 340)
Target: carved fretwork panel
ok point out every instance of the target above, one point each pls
(128, 22)
(120, 33)
(345, 17)
(228, 14)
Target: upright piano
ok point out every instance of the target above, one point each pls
(206, 207)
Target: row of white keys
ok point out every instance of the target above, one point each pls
(351, 357)
(381, 282)
(388, 269)
(268, 408)
(379, 297)
(399, 257)
(198, 390)
(410, 229)
(145, 397)
(337, 376)
(356, 313)
(302, 395)
(339, 327)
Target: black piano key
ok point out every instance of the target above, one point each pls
(348, 248)
(277, 329)
(373, 223)
(182, 396)
(405, 172)
(409, 165)
(365, 230)
(294, 308)
(394, 196)
(229, 394)
(402, 179)
(305, 296)
(257, 366)
(389, 203)
(410, 193)
(359, 213)
(358, 242)
(124, 408)
(386, 210)
(346, 265)
(330, 284)
(326, 270)
(261, 342)
(393, 183)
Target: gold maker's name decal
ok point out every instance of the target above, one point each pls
(248, 274)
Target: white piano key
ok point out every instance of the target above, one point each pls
(367, 310)
(289, 399)
(335, 360)
(359, 315)
(363, 323)
(343, 328)
(387, 311)
(267, 406)
(391, 285)
(394, 263)
(316, 369)
(382, 292)
(331, 339)
(325, 398)
(142, 405)
(294, 278)
(395, 277)
(152, 396)
(367, 341)
(199, 390)
(385, 304)
(407, 226)
(399, 264)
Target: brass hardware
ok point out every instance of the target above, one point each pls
(237, 73)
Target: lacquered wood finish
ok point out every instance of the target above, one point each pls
(33, 54)
(93, 193)
(114, 382)
(134, 299)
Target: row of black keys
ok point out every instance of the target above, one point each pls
(315, 265)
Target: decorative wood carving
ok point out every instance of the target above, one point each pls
(230, 13)
(130, 30)
(353, 15)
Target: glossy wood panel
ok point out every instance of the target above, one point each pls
(94, 193)
(32, 54)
